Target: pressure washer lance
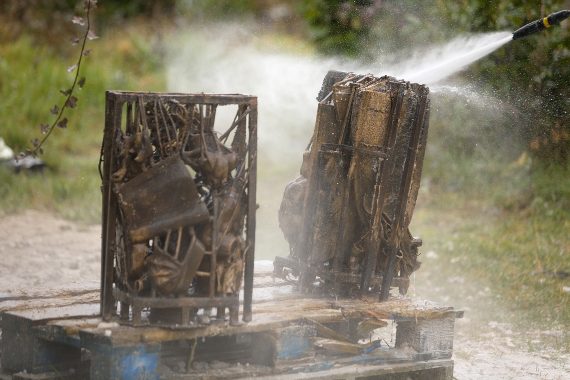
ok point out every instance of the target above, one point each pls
(538, 25)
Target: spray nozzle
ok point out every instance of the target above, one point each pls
(539, 25)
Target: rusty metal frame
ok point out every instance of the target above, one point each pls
(374, 250)
(111, 294)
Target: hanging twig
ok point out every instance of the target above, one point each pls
(70, 100)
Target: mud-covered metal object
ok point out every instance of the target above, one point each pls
(146, 209)
(178, 207)
(346, 217)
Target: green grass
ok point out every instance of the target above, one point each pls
(31, 79)
(510, 234)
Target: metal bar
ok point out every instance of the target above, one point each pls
(214, 255)
(158, 136)
(163, 302)
(160, 109)
(384, 169)
(251, 208)
(405, 184)
(236, 122)
(219, 99)
(344, 128)
(113, 112)
(172, 123)
(178, 242)
(129, 126)
(167, 241)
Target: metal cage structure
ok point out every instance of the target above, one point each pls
(179, 201)
(346, 216)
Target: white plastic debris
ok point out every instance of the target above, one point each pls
(5, 152)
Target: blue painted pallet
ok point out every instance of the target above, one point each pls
(280, 341)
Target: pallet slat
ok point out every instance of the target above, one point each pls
(279, 341)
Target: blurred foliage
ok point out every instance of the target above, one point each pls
(219, 8)
(532, 73)
(118, 9)
(339, 26)
(48, 21)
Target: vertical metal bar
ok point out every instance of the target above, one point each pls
(251, 208)
(107, 148)
(178, 242)
(340, 257)
(385, 168)
(213, 256)
(157, 128)
(129, 127)
(345, 131)
(112, 121)
(393, 242)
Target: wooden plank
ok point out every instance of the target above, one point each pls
(35, 292)
(76, 310)
(60, 299)
(282, 313)
(418, 334)
(332, 370)
(356, 371)
(23, 350)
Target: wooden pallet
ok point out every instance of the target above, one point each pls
(61, 336)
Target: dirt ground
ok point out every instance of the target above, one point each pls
(41, 251)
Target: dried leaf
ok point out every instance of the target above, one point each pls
(54, 110)
(92, 36)
(44, 128)
(81, 82)
(75, 41)
(86, 52)
(78, 20)
(62, 123)
(66, 92)
(71, 68)
(71, 102)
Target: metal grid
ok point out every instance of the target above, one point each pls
(178, 207)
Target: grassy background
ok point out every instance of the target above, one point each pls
(32, 75)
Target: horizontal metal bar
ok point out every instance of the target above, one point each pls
(221, 99)
(193, 302)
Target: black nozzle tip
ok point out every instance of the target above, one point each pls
(541, 24)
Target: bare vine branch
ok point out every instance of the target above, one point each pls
(71, 99)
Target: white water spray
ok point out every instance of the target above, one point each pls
(441, 62)
(241, 61)
(235, 59)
